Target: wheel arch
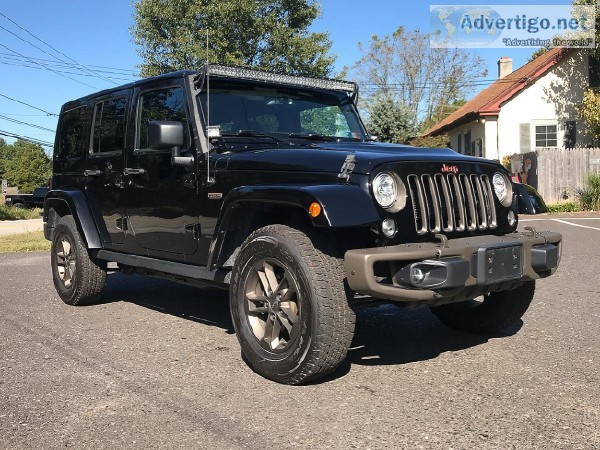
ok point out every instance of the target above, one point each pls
(59, 203)
(248, 208)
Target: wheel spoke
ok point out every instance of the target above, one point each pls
(283, 283)
(290, 310)
(264, 283)
(268, 336)
(287, 294)
(270, 274)
(285, 322)
(254, 297)
(66, 247)
(275, 333)
(258, 310)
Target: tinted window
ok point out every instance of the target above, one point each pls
(72, 139)
(161, 104)
(109, 126)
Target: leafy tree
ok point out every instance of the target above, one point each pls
(266, 34)
(404, 66)
(27, 166)
(390, 120)
(589, 110)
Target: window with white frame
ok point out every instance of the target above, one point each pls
(546, 136)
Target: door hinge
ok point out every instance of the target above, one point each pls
(193, 228)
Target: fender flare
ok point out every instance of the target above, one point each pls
(342, 206)
(77, 203)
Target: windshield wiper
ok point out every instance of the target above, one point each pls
(312, 137)
(253, 134)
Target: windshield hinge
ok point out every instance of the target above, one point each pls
(347, 168)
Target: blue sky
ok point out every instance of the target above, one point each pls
(97, 34)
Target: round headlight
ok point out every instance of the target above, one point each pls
(385, 189)
(502, 189)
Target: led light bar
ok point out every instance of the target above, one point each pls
(258, 75)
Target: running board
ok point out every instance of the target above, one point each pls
(159, 265)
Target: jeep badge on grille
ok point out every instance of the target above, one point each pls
(449, 169)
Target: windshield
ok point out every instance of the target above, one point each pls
(285, 113)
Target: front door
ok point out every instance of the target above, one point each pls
(162, 205)
(104, 165)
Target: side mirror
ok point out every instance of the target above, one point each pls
(168, 134)
(165, 134)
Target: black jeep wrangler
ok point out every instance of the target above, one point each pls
(269, 186)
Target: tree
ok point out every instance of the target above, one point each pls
(390, 120)
(425, 79)
(589, 110)
(266, 34)
(26, 165)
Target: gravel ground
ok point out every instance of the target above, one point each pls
(158, 366)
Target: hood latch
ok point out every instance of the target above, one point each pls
(347, 168)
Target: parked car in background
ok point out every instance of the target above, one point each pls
(35, 200)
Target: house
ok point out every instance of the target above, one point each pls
(529, 109)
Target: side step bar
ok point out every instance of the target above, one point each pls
(159, 265)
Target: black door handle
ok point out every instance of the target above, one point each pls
(92, 173)
(130, 171)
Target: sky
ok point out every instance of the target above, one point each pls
(96, 35)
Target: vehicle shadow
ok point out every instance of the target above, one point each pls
(384, 335)
(392, 335)
(205, 306)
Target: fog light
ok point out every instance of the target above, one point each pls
(512, 218)
(389, 228)
(416, 275)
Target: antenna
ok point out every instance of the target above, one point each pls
(209, 180)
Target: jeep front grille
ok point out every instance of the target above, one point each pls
(449, 202)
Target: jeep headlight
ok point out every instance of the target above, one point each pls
(502, 188)
(389, 191)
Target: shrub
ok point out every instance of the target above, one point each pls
(564, 207)
(12, 213)
(589, 196)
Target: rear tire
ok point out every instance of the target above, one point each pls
(497, 311)
(289, 306)
(78, 278)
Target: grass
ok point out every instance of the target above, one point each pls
(12, 213)
(34, 241)
(564, 207)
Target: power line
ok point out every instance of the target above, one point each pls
(20, 122)
(46, 67)
(27, 104)
(26, 138)
(61, 71)
(102, 69)
(50, 46)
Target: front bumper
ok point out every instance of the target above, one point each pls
(454, 269)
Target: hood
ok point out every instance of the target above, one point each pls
(330, 156)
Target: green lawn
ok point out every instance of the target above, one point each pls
(33, 241)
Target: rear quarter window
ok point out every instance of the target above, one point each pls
(71, 142)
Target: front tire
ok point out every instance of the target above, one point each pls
(289, 306)
(497, 311)
(78, 278)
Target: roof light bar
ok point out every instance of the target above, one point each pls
(257, 75)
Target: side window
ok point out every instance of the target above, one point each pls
(109, 126)
(161, 104)
(72, 138)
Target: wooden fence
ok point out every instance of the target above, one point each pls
(557, 174)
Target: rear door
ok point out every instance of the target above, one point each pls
(104, 165)
(162, 202)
